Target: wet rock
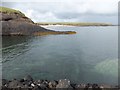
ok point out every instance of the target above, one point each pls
(88, 86)
(37, 82)
(80, 86)
(42, 86)
(73, 85)
(4, 81)
(36, 88)
(21, 80)
(52, 84)
(63, 83)
(28, 78)
(4, 88)
(27, 87)
(15, 84)
(105, 87)
(29, 84)
(45, 82)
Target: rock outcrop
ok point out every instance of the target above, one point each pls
(16, 23)
(28, 83)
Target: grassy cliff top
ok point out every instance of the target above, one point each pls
(10, 11)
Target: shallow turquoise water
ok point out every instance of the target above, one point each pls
(88, 56)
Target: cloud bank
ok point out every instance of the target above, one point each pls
(68, 10)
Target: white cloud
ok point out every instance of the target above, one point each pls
(67, 10)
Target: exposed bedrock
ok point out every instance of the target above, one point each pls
(16, 23)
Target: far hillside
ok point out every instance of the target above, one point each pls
(75, 23)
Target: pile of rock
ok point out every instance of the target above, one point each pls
(28, 83)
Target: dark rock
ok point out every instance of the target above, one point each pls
(18, 24)
(15, 84)
(38, 82)
(28, 78)
(27, 83)
(4, 81)
(64, 84)
(73, 86)
(42, 86)
(21, 80)
(45, 82)
(4, 88)
(36, 88)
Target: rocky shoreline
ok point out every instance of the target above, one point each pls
(28, 83)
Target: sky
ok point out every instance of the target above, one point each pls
(105, 11)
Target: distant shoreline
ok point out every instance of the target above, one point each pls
(73, 24)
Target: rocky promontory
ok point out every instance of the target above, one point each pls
(15, 22)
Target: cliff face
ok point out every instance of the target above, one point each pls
(16, 23)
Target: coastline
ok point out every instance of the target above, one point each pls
(73, 26)
(79, 24)
(15, 23)
(13, 26)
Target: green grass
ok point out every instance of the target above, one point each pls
(75, 23)
(10, 11)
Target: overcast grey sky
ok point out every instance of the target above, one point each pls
(67, 10)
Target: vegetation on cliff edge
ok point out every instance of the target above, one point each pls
(10, 11)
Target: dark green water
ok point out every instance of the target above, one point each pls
(88, 56)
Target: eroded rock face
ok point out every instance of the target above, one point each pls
(14, 16)
(17, 24)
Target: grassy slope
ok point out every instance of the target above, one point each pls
(74, 23)
(10, 11)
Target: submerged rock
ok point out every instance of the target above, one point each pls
(28, 78)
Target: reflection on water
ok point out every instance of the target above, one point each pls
(14, 46)
(88, 56)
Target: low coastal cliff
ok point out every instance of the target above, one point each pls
(15, 22)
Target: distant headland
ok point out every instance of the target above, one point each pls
(75, 23)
